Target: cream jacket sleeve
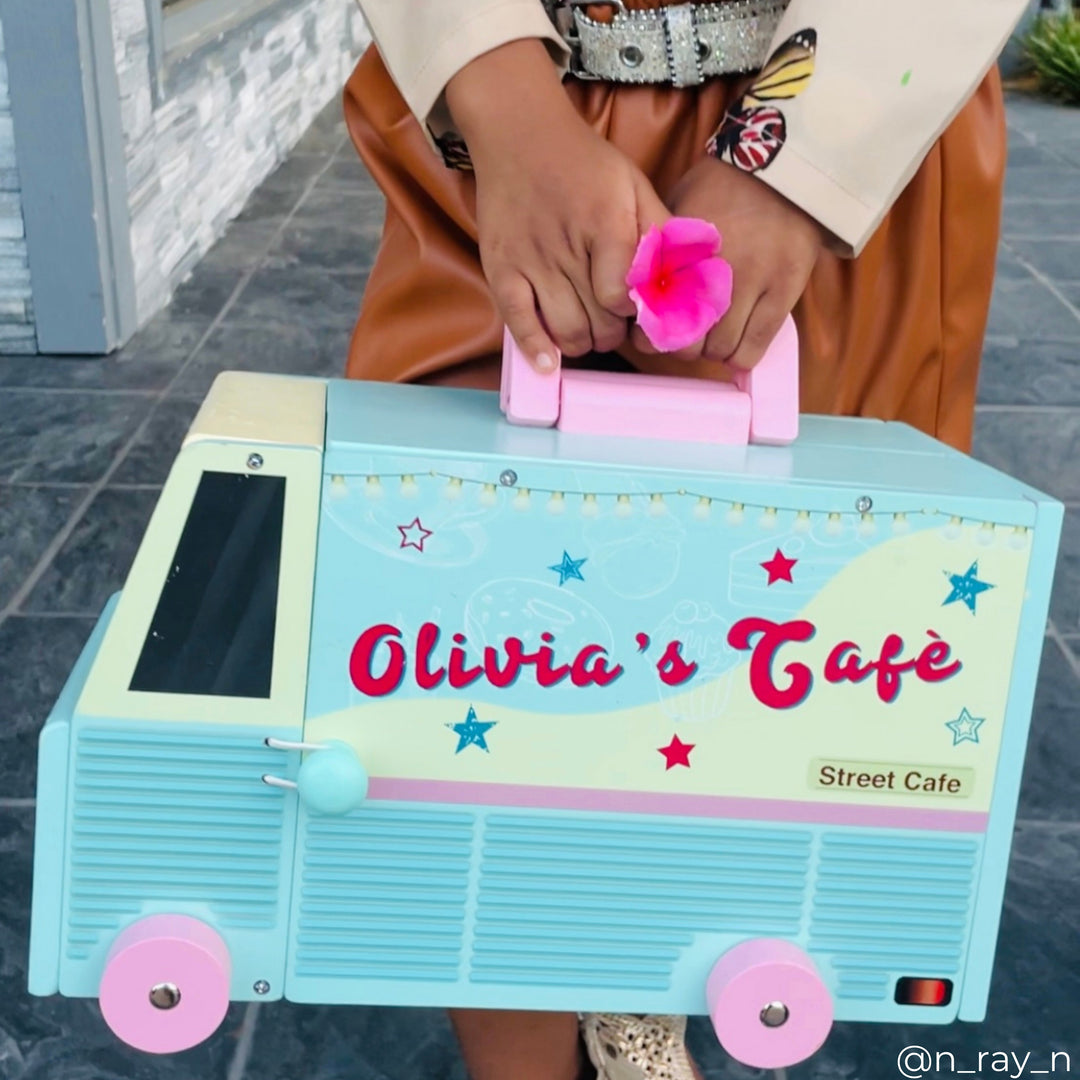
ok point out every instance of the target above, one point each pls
(888, 76)
(424, 43)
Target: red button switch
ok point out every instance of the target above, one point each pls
(911, 991)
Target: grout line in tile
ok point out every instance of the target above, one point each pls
(1028, 238)
(31, 614)
(61, 485)
(1048, 823)
(1029, 139)
(97, 391)
(1049, 150)
(346, 188)
(244, 1042)
(993, 408)
(1032, 200)
(64, 534)
(1066, 652)
(1065, 238)
(1043, 279)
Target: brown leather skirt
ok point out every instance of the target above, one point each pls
(896, 333)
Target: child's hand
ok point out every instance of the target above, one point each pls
(772, 247)
(559, 210)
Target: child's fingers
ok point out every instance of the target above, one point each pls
(517, 306)
(640, 342)
(724, 338)
(651, 208)
(762, 326)
(643, 345)
(609, 263)
(607, 329)
(564, 314)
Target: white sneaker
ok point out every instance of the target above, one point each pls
(637, 1047)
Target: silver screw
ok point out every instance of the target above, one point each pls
(261, 987)
(863, 504)
(508, 478)
(165, 995)
(631, 56)
(254, 461)
(774, 1014)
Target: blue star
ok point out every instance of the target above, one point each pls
(471, 732)
(965, 587)
(965, 728)
(568, 568)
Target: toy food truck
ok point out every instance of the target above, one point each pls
(603, 709)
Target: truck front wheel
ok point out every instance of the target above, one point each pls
(166, 984)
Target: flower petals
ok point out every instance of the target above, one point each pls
(680, 286)
(688, 240)
(715, 280)
(646, 262)
(678, 326)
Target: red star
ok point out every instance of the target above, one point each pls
(779, 567)
(409, 537)
(676, 752)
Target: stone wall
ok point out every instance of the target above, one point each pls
(16, 309)
(222, 119)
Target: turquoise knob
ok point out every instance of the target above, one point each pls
(332, 780)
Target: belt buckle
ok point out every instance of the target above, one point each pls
(563, 18)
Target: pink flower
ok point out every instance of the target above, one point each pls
(678, 282)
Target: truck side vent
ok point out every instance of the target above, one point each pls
(383, 895)
(887, 906)
(612, 904)
(164, 819)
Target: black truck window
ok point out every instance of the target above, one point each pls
(213, 630)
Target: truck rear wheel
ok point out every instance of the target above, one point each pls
(768, 1004)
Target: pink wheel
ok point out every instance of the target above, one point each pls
(166, 984)
(768, 1005)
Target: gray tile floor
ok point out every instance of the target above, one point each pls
(85, 445)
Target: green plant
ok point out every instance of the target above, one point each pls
(1053, 47)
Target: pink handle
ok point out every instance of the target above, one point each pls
(525, 395)
(761, 406)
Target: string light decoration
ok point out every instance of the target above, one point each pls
(866, 524)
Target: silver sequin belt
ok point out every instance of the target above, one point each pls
(682, 45)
